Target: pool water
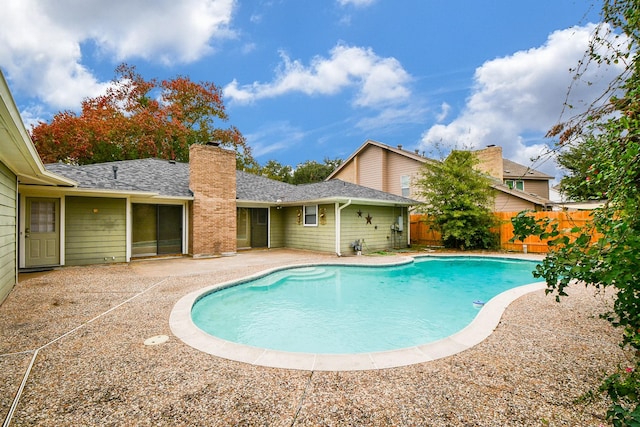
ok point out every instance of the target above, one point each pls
(332, 309)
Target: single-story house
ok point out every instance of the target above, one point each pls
(62, 214)
(135, 208)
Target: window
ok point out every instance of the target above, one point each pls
(405, 181)
(517, 184)
(310, 215)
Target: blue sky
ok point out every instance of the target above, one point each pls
(306, 80)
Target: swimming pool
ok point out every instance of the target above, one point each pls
(329, 311)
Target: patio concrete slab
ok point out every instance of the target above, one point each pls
(93, 367)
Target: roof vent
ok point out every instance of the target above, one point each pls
(399, 146)
(115, 172)
(417, 151)
(213, 143)
(491, 145)
(172, 162)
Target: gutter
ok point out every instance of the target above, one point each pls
(338, 225)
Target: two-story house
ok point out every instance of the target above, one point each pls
(395, 170)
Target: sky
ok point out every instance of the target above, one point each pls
(309, 80)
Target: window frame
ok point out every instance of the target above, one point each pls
(513, 184)
(405, 184)
(305, 215)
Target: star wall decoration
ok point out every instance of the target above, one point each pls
(359, 213)
(369, 218)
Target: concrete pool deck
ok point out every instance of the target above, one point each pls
(73, 341)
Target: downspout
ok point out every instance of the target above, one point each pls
(338, 224)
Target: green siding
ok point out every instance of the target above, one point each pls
(276, 228)
(95, 238)
(8, 216)
(377, 235)
(317, 238)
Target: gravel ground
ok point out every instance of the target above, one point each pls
(88, 326)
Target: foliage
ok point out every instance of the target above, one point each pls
(459, 201)
(138, 118)
(610, 136)
(579, 184)
(312, 171)
(275, 170)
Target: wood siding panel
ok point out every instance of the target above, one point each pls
(397, 166)
(371, 167)
(537, 187)
(377, 235)
(95, 238)
(348, 172)
(507, 203)
(276, 228)
(319, 238)
(8, 217)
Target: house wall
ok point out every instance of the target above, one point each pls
(212, 179)
(95, 230)
(276, 231)
(397, 166)
(315, 238)
(537, 187)
(8, 215)
(381, 169)
(349, 172)
(377, 235)
(507, 203)
(371, 164)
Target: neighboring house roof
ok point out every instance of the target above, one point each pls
(530, 197)
(513, 170)
(415, 155)
(171, 179)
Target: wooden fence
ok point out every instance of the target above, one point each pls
(423, 234)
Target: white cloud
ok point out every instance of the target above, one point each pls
(378, 81)
(357, 3)
(516, 99)
(40, 41)
(444, 112)
(286, 135)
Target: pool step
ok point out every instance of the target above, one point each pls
(305, 274)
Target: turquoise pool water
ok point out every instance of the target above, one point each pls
(332, 309)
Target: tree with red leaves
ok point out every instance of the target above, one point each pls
(137, 118)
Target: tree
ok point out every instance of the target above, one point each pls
(610, 136)
(138, 118)
(458, 201)
(579, 184)
(275, 170)
(312, 171)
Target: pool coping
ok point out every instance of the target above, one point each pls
(478, 330)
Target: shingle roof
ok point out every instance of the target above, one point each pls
(172, 179)
(336, 188)
(516, 170)
(148, 175)
(258, 188)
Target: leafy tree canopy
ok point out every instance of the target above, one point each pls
(275, 170)
(459, 201)
(582, 180)
(610, 136)
(138, 118)
(312, 171)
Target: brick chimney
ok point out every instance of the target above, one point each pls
(212, 179)
(490, 161)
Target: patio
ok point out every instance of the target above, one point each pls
(86, 327)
